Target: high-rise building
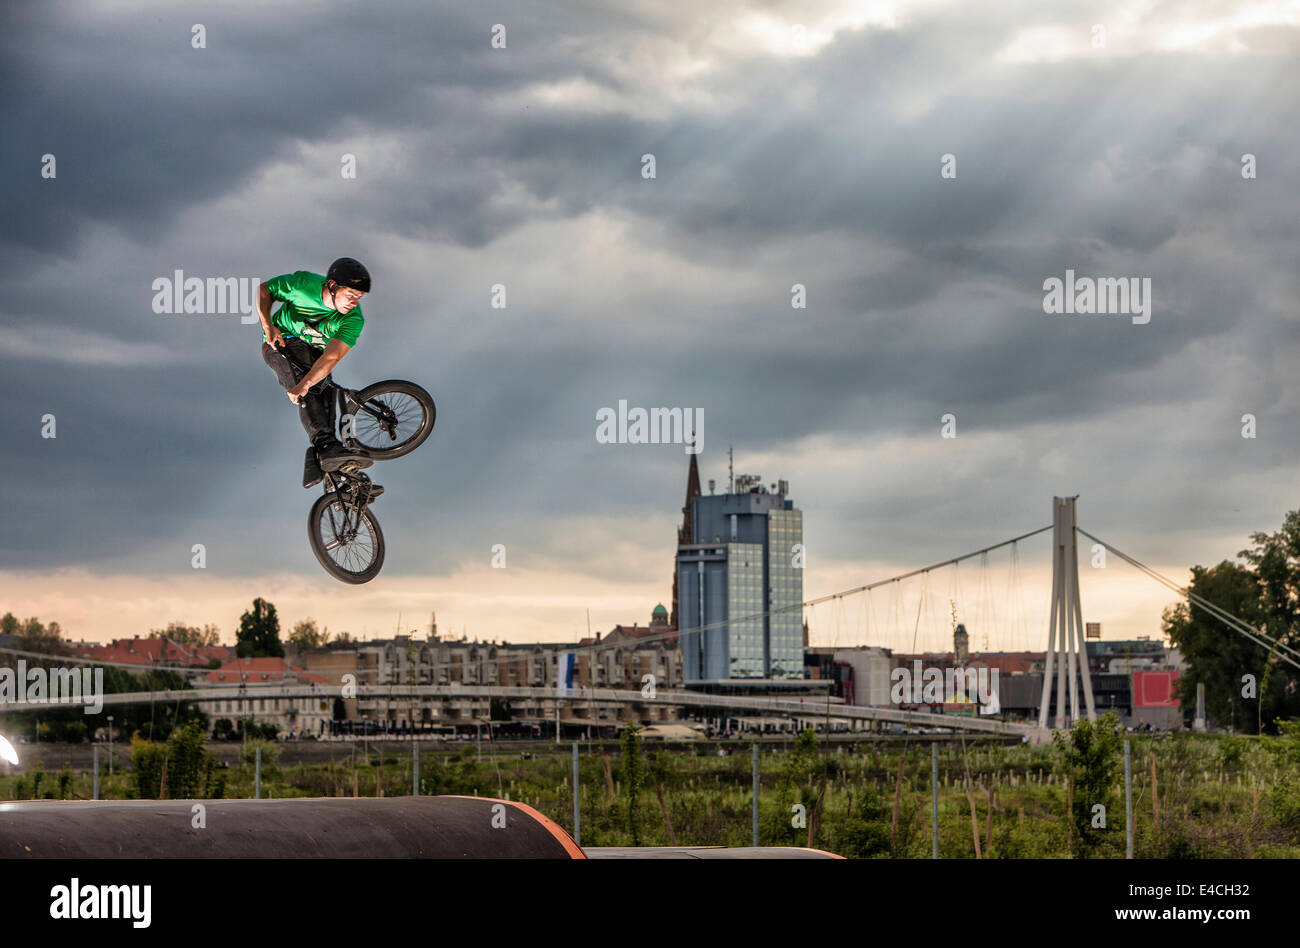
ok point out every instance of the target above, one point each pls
(739, 583)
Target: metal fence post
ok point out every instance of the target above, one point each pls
(754, 819)
(415, 768)
(1128, 803)
(257, 774)
(577, 815)
(94, 792)
(934, 800)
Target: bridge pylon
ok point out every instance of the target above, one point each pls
(1067, 651)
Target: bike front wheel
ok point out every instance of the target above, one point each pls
(392, 418)
(346, 539)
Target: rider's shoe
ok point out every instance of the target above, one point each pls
(334, 455)
(311, 472)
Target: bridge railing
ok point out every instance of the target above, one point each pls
(810, 707)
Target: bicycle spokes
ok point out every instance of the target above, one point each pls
(346, 536)
(394, 418)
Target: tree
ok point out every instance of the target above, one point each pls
(1266, 595)
(259, 632)
(183, 634)
(1276, 559)
(306, 636)
(34, 635)
(633, 778)
(1217, 656)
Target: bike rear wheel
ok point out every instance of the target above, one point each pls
(392, 418)
(346, 539)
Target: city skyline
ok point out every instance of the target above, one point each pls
(881, 618)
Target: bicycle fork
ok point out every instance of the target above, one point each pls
(352, 489)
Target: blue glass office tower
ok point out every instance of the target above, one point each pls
(739, 583)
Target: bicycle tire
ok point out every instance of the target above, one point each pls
(318, 543)
(398, 387)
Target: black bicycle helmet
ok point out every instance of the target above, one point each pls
(350, 273)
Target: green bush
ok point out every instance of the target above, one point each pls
(1288, 743)
(1091, 755)
(1284, 803)
(186, 761)
(214, 778)
(38, 777)
(270, 758)
(147, 760)
(864, 830)
(1232, 751)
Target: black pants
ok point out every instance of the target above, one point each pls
(290, 364)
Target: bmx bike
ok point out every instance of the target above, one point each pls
(382, 421)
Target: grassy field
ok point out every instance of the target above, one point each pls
(1194, 796)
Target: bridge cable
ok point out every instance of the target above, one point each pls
(1285, 652)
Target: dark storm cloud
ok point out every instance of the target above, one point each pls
(925, 294)
(143, 125)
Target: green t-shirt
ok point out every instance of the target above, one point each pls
(305, 316)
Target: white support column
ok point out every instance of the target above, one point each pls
(1058, 583)
(1079, 628)
(1072, 628)
(1067, 649)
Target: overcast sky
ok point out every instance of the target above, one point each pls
(794, 143)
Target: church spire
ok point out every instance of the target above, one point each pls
(684, 533)
(692, 491)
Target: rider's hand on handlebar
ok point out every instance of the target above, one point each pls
(296, 393)
(274, 337)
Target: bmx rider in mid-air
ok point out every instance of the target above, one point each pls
(317, 325)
